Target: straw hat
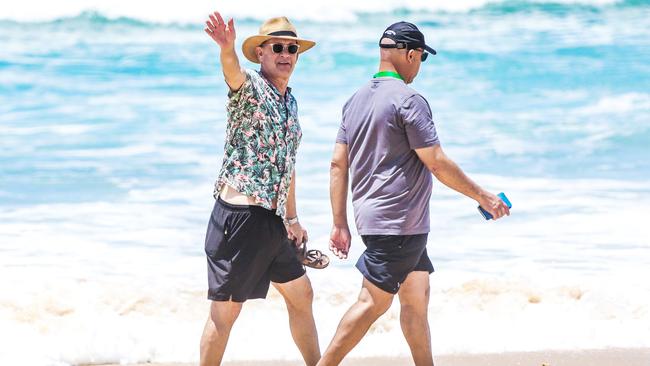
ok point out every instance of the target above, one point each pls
(279, 27)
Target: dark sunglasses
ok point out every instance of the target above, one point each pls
(279, 47)
(402, 45)
(424, 55)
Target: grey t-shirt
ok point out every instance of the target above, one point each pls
(382, 123)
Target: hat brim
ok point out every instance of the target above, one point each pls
(430, 50)
(250, 43)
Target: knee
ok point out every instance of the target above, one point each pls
(224, 319)
(375, 306)
(303, 302)
(308, 295)
(413, 312)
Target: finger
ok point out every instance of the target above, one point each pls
(221, 22)
(210, 25)
(231, 26)
(209, 32)
(334, 250)
(214, 21)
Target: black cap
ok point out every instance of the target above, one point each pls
(406, 35)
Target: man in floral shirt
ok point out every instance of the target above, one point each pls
(254, 218)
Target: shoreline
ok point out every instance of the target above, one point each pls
(594, 357)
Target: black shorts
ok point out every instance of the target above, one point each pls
(247, 247)
(388, 259)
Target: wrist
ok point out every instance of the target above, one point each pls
(340, 221)
(482, 195)
(228, 49)
(341, 225)
(290, 220)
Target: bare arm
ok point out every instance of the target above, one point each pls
(225, 35)
(291, 198)
(340, 236)
(447, 172)
(294, 231)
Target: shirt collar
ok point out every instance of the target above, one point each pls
(275, 90)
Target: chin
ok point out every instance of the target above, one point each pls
(284, 73)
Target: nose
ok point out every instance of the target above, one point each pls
(285, 52)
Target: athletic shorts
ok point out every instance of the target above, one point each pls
(247, 248)
(388, 259)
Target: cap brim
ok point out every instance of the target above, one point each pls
(430, 50)
(250, 43)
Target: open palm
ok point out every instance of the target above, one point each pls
(222, 33)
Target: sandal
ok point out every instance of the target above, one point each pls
(312, 258)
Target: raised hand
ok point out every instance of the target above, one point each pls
(222, 33)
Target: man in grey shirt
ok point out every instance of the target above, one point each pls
(388, 141)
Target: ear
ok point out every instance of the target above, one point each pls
(258, 52)
(410, 56)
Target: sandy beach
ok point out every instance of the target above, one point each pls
(114, 115)
(606, 357)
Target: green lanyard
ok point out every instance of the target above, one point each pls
(391, 74)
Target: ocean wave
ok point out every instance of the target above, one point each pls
(149, 12)
(130, 321)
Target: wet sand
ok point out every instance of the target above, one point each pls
(606, 357)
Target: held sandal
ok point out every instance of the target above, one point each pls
(312, 258)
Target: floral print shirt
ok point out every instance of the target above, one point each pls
(262, 139)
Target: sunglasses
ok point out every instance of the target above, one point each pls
(279, 48)
(424, 55)
(402, 45)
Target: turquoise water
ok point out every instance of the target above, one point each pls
(111, 133)
(93, 107)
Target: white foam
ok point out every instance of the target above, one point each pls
(193, 11)
(130, 320)
(125, 281)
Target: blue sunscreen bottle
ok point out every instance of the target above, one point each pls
(486, 214)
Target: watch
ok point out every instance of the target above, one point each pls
(291, 220)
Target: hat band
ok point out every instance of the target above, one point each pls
(283, 33)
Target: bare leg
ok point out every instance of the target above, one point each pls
(298, 295)
(217, 330)
(372, 303)
(414, 300)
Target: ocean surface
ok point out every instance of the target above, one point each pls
(112, 124)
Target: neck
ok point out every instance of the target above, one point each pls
(279, 83)
(387, 66)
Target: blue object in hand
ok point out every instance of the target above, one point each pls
(505, 200)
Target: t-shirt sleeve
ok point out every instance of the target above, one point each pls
(418, 122)
(341, 136)
(246, 90)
